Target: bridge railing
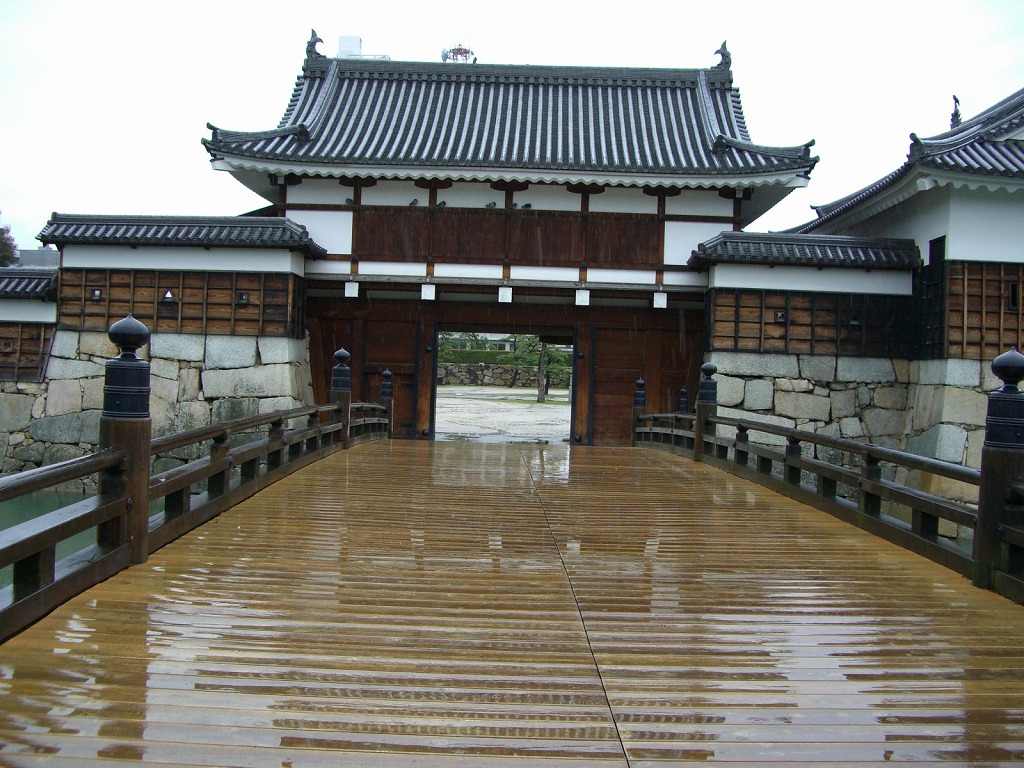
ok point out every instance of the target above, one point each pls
(860, 483)
(135, 511)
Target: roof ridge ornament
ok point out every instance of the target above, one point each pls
(955, 119)
(311, 51)
(726, 62)
(916, 148)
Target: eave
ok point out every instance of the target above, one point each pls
(256, 175)
(905, 184)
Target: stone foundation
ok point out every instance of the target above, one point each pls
(933, 408)
(488, 375)
(195, 380)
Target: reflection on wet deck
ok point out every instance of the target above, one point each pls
(457, 604)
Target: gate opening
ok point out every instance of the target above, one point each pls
(503, 387)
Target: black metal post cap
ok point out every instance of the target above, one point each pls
(1009, 367)
(640, 383)
(342, 356)
(709, 370)
(128, 334)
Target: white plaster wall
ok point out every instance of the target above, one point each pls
(319, 191)
(201, 259)
(551, 274)
(986, 226)
(628, 276)
(393, 192)
(467, 195)
(27, 311)
(332, 230)
(921, 218)
(697, 202)
(385, 268)
(327, 268)
(549, 198)
(687, 279)
(620, 200)
(474, 271)
(819, 280)
(682, 238)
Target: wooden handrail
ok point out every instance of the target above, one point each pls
(994, 558)
(51, 475)
(126, 530)
(173, 442)
(891, 455)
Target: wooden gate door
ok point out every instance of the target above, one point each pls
(375, 346)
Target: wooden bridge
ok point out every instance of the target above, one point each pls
(455, 604)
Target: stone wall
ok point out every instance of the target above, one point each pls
(933, 408)
(486, 374)
(195, 380)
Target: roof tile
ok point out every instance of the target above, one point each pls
(201, 231)
(652, 121)
(754, 248)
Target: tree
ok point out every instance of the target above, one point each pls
(449, 341)
(530, 352)
(8, 248)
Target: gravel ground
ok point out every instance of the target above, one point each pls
(501, 415)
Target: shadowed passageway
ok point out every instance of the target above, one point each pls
(468, 604)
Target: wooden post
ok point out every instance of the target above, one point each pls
(793, 454)
(275, 458)
(683, 401)
(219, 483)
(1002, 466)
(742, 454)
(705, 407)
(341, 393)
(639, 406)
(387, 397)
(870, 503)
(125, 422)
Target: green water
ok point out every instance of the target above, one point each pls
(38, 503)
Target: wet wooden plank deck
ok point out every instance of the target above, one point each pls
(451, 605)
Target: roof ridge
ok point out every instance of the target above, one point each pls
(515, 72)
(999, 119)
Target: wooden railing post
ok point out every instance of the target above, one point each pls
(870, 503)
(125, 422)
(1002, 466)
(219, 483)
(706, 407)
(793, 454)
(742, 454)
(341, 393)
(683, 401)
(387, 397)
(639, 406)
(275, 457)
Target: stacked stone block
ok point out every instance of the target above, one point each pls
(195, 380)
(933, 408)
(489, 375)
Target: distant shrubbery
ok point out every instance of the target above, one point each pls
(486, 356)
(523, 355)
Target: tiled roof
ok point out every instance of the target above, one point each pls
(983, 146)
(755, 248)
(19, 283)
(203, 231)
(578, 120)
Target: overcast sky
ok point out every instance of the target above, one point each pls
(104, 103)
